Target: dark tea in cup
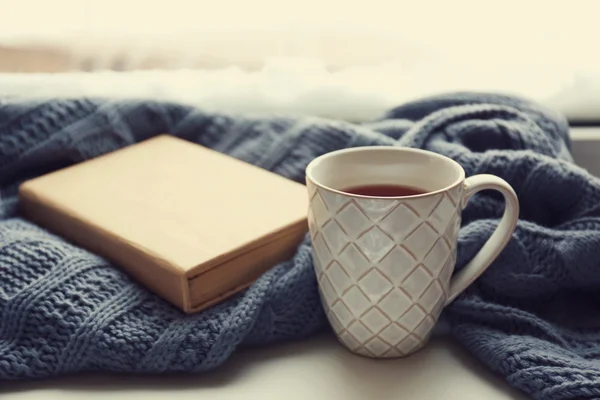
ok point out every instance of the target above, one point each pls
(384, 190)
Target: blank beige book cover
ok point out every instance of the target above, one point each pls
(193, 225)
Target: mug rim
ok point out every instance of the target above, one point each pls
(312, 164)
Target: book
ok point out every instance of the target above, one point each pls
(193, 225)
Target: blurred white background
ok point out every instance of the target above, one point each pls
(360, 57)
(562, 33)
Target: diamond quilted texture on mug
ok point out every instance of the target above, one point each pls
(423, 330)
(347, 339)
(375, 320)
(375, 285)
(353, 261)
(447, 269)
(319, 210)
(392, 353)
(412, 318)
(333, 201)
(408, 345)
(455, 194)
(439, 307)
(400, 222)
(343, 315)
(312, 189)
(327, 290)
(356, 301)
(335, 322)
(334, 236)
(437, 256)
(416, 283)
(431, 296)
(453, 228)
(339, 278)
(394, 304)
(377, 347)
(420, 241)
(376, 209)
(359, 332)
(375, 244)
(441, 216)
(397, 264)
(393, 334)
(353, 220)
(312, 224)
(423, 205)
(322, 253)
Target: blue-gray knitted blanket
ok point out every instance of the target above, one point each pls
(533, 317)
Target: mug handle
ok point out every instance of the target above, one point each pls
(499, 238)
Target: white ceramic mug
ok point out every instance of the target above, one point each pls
(385, 264)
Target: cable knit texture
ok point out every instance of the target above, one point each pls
(533, 317)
